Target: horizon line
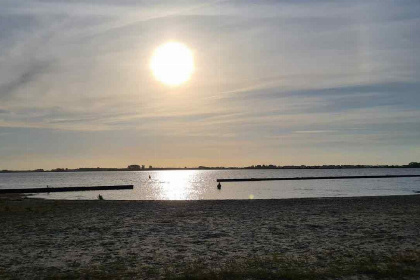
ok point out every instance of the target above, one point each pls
(136, 167)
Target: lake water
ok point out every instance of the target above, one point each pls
(201, 184)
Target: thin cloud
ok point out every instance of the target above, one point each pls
(28, 75)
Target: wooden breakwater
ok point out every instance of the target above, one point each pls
(67, 189)
(314, 178)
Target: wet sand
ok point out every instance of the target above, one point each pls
(41, 238)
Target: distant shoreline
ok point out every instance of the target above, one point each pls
(269, 167)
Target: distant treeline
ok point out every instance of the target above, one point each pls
(136, 167)
(410, 165)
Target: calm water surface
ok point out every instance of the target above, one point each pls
(201, 184)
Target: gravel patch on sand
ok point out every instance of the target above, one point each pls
(38, 236)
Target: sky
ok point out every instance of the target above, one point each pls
(275, 82)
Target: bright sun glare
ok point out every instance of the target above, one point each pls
(172, 63)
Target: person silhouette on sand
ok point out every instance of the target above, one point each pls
(219, 186)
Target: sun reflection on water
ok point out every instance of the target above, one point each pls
(175, 185)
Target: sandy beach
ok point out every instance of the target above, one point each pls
(169, 239)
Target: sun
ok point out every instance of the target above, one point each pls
(172, 63)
